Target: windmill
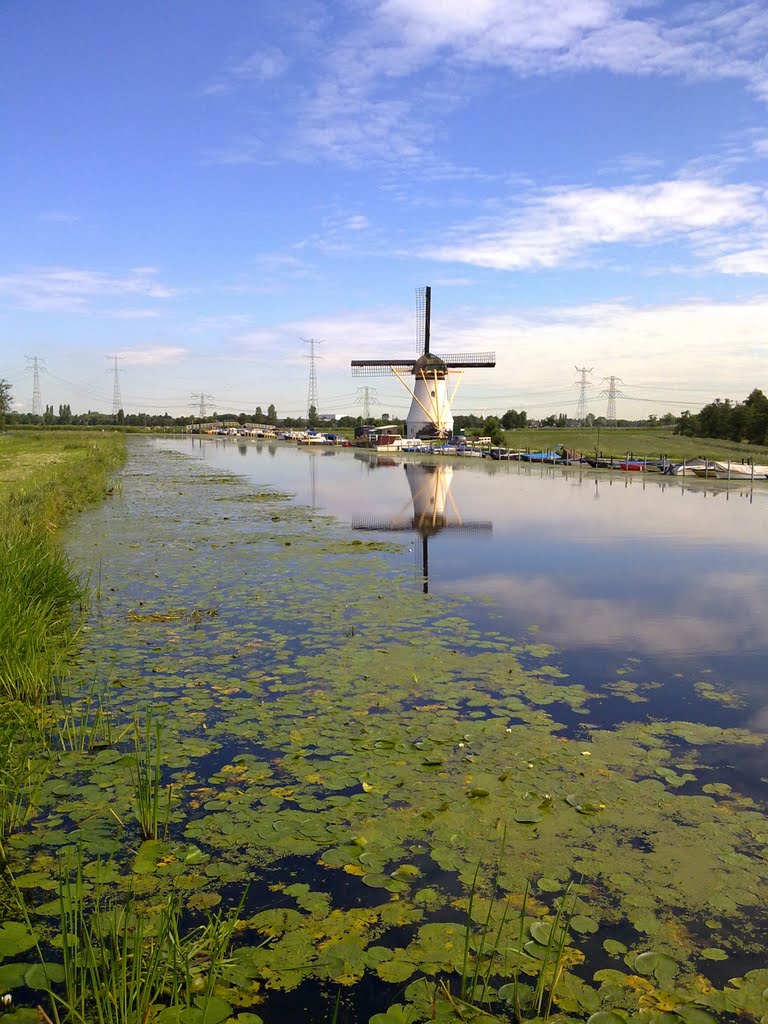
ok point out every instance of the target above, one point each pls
(430, 411)
(430, 494)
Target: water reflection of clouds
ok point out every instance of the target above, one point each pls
(690, 620)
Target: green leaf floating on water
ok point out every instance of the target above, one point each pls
(713, 953)
(396, 1014)
(43, 975)
(12, 976)
(14, 938)
(661, 966)
(529, 817)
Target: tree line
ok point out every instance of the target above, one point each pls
(731, 421)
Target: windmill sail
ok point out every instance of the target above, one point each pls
(430, 410)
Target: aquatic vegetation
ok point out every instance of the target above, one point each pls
(359, 783)
(146, 768)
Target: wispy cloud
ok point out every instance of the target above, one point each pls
(57, 217)
(258, 66)
(352, 113)
(152, 355)
(559, 226)
(68, 289)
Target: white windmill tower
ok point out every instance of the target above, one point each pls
(430, 411)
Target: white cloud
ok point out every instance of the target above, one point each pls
(359, 110)
(749, 261)
(152, 355)
(558, 226)
(68, 289)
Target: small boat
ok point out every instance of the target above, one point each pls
(740, 471)
(548, 457)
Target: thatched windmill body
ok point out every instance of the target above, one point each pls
(431, 397)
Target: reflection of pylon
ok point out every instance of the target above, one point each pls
(37, 399)
(612, 393)
(581, 408)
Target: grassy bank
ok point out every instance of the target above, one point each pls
(44, 479)
(650, 442)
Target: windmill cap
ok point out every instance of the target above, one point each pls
(429, 364)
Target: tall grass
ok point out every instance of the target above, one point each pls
(40, 600)
(23, 766)
(46, 480)
(122, 963)
(153, 811)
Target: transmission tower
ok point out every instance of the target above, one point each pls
(612, 393)
(117, 401)
(366, 396)
(583, 383)
(312, 394)
(36, 365)
(203, 399)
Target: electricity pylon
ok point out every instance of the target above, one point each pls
(312, 399)
(366, 396)
(38, 364)
(581, 408)
(203, 399)
(612, 393)
(117, 401)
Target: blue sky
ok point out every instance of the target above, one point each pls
(198, 186)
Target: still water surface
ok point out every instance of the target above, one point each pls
(607, 567)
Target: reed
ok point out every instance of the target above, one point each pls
(487, 951)
(121, 963)
(24, 763)
(152, 810)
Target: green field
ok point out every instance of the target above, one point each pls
(642, 442)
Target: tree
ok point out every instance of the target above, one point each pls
(271, 415)
(5, 400)
(312, 417)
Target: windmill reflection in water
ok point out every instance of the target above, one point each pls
(430, 510)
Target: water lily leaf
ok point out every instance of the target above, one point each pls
(583, 925)
(14, 938)
(43, 975)
(479, 792)
(695, 1015)
(406, 872)
(396, 1014)
(528, 817)
(614, 948)
(663, 967)
(376, 881)
(713, 953)
(546, 934)
(12, 976)
(606, 1017)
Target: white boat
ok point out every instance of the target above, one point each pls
(740, 471)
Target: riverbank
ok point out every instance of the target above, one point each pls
(44, 481)
(296, 776)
